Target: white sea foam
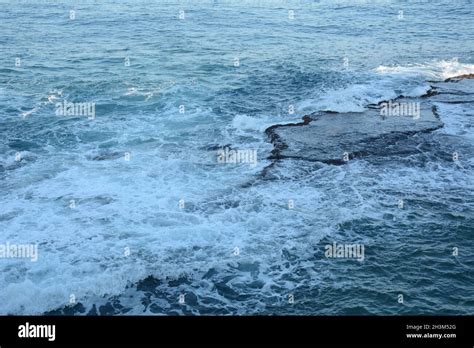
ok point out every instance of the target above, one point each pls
(437, 70)
(82, 249)
(245, 123)
(458, 119)
(135, 204)
(356, 97)
(388, 83)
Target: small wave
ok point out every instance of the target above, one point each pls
(437, 70)
(407, 81)
(133, 91)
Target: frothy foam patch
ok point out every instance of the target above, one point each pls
(355, 98)
(245, 123)
(82, 248)
(417, 91)
(438, 70)
(52, 96)
(458, 119)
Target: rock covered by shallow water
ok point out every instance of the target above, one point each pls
(384, 129)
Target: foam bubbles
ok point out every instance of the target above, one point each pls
(438, 69)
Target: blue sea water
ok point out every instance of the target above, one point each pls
(154, 216)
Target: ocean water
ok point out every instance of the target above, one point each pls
(133, 214)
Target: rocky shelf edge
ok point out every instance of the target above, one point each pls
(334, 138)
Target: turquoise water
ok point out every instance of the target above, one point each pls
(171, 87)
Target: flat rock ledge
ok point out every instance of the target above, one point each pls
(383, 129)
